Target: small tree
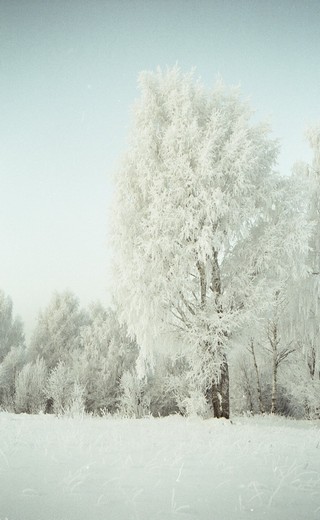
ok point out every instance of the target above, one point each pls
(279, 354)
(200, 219)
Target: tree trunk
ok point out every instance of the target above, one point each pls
(311, 358)
(203, 284)
(220, 389)
(257, 377)
(273, 338)
(274, 390)
(220, 393)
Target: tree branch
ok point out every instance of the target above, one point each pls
(187, 304)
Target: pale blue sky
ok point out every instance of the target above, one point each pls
(68, 72)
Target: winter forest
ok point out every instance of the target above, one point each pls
(216, 276)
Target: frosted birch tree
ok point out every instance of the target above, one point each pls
(306, 295)
(200, 220)
(310, 297)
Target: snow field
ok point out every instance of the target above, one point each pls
(158, 469)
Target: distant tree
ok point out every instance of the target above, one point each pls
(11, 329)
(201, 221)
(9, 370)
(57, 333)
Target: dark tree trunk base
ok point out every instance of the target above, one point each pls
(220, 393)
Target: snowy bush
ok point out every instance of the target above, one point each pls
(65, 392)
(305, 389)
(133, 401)
(30, 388)
(60, 388)
(166, 386)
(75, 406)
(195, 404)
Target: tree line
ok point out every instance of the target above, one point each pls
(82, 361)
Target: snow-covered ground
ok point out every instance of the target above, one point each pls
(158, 469)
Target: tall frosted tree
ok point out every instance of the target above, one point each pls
(313, 286)
(200, 222)
(306, 295)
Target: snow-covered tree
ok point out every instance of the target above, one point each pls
(200, 219)
(278, 351)
(309, 300)
(305, 307)
(57, 333)
(11, 329)
(167, 386)
(107, 352)
(59, 388)
(134, 400)
(263, 377)
(9, 370)
(64, 393)
(30, 394)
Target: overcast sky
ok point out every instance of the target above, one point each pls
(68, 72)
